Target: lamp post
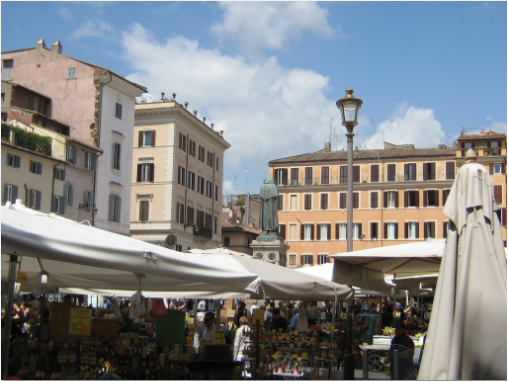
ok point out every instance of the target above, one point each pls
(349, 106)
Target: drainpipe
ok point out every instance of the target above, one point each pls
(213, 197)
(186, 177)
(26, 196)
(53, 187)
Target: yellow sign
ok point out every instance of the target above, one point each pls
(258, 315)
(219, 337)
(22, 276)
(330, 328)
(80, 321)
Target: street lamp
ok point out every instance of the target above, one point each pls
(349, 106)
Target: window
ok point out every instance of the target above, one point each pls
(217, 164)
(34, 201)
(281, 176)
(306, 259)
(411, 199)
(190, 181)
(88, 200)
(447, 192)
(431, 198)
(293, 205)
(429, 171)
(118, 110)
(182, 144)
(324, 201)
(35, 167)
(190, 215)
(209, 189)
(59, 174)
(116, 156)
(209, 159)
(71, 154)
(215, 225)
(497, 168)
(115, 208)
(292, 232)
(411, 230)
(294, 177)
(342, 200)
(201, 185)
(208, 221)
(429, 230)
(280, 202)
(146, 138)
(200, 219)
(501, 214)
(322, 259)
(357, 230)
(468, 145)
(498, 194)
(13, 160)
(374, 173)
(226, 241)
(307, 201)
(341, 231)
(180, 213)
(391, 230)
(192, 148)
(308, 175)
(36, 104)
(307, 232)
(10, 193)
(216, 193)
(323, 231)
(356, 199)
(391, 199)
(181, 176)
(391, 174)
(58, 205)
(292, 260)
(343, 174)
(3, 97)
(374, 230)
(374, 200)
(445, 229)
(179, 248)
(25, 102)
(7, 74)
(410, 171)
(145, 172)
(356, 174)
(450, 170)
(68, 193)
(201, 153)
(325, 175)
(282, 231)
(90, 161)
(72, 73)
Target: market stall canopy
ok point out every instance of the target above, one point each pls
(275, 281)
(325, 271)
(71, 254)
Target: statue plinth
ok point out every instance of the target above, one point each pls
(270, 247)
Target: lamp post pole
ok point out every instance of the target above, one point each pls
(349, 107)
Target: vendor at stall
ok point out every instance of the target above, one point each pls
(278, 321)
(209, 332)
(405, 346)
(128, 326)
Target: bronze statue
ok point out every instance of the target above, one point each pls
(268, 216)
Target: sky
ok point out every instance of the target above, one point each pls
(269, 73)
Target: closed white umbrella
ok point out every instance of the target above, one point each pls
(467, 334)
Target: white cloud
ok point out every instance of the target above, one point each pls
(66, 14)
(266, 111)
(94, 28)
(408, 125)
(255, 26)
(227, 188)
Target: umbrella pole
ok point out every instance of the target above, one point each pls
(13, 261)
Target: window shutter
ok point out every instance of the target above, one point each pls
(318, 236)
(54, 204)
(302, 232)
(283, 231)
(74, 155)
(285, 177)
(329, 231)
(396, 231)
(55, 171)
(396, 199)
(17, 161)
(63, 175)
(406, 196)
(140, 166)
(152, 173)
(406, 172)
(312, 232)
(61, 205)
(66, 192)
(386, 231)
(425, 198)
(119, 209)
(14, 193)
(153, 139)
(433, 171)
(417, 198)
(503, 217)
(140, 139)
(356, 174)
(359, 229)
(444, 197)
(385, 199)
(450, 170)
(436, 193)
(406, 231)
(445, 229)
(391, 172)
(425, 171)
(491, 169)
(374, 173)
(5, 194)
(417, 230)
(111, 212)
(336, 231)
(38, 202)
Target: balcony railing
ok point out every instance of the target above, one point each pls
(200, 231)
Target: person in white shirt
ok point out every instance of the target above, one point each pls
(209, 332)
(241, 339)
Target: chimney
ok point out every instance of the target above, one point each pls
(40, 45)
(56, 48)
(328, 146)
(482, 132)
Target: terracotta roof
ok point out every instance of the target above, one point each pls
(489, 135)
(229, 226)
(341, 156)
(8, 144)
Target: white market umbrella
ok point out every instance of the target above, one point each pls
(275, 281)
(467, 335)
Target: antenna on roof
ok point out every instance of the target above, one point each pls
(490, 120)
(247, 179)
(234, 185)
(331, 130)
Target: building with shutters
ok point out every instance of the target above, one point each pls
(176, 178)
(398, 197)
(97, 104)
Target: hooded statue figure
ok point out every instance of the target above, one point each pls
(268, 217)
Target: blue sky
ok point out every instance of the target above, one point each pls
(269, 74)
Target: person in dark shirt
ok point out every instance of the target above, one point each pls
(278, 321)
(406, 347)
(386, 317)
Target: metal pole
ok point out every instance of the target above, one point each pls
(365, 364)
(395, 364)
(349, 366)
(13, 261)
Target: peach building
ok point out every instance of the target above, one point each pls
(398, 197)
(177, 174)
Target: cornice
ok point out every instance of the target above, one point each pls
(367, 186)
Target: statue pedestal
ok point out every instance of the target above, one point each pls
(270, 247)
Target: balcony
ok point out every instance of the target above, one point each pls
(203, 232)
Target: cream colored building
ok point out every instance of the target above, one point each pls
(176, 178)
